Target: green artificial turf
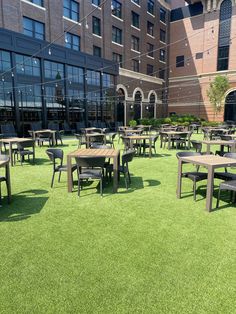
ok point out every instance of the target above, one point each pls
(137, 251)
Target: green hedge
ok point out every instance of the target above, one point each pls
(174, 120)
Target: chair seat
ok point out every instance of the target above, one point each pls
(65, 168)
(228, 185)
(91, 174)
(195, 176)
(225, 176)
(25, 152)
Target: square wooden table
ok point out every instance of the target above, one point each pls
(133, 138)
(88, 137)
(53, 132)
(170, 134)
(209, 143)
(5, 163)
(211, 162)
(85, 152)
(11, 141)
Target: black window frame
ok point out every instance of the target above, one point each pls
(135, 19)
(115, 32)
(135, 65)
(150, 69)
(180, 61)
(33, 30)
(150, 28)
(163, 15)
(98, 49)
(96, 2)
(96, 26)
(116, 57)
(69, 40)
(71, 11)
(150, 48)
(162, 35)
(150, 7)
(116, 9)
(162, 57)
(135, 43)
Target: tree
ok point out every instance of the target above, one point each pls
(216, 92)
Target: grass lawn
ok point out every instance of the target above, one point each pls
(137, 251)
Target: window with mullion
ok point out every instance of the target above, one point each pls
(116, 8)
(135, 43)
(117, 58)
(163, 15)
(150, 69)
(96, 26)
(135, 65)
(135, 19)
(150, 49)
(150, 28)
(96, 2)
(33, 28)
(116, 35)
(150, 6)
(162, 35)
(71, 9)
(162, 55)
(72, 41)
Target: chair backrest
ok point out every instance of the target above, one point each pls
(45, 135)
(55, 153)
(97, 139)
(8, 129)
(127, 157)
(35, 126)
(25, 144)
(90, 162)
(53, 126)
(98, 146)
(230, 155)
(187, 154)
(197, 146)
(226, 137)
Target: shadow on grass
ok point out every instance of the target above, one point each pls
(23, 205)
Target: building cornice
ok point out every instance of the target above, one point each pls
(140, 76)
(200, 76)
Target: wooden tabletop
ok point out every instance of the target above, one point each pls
(175, 132)
(94, 134)
(210, 160)
(218, 142)
(86, 152)
(45, 131)
(15, 140)
(4, 162)
(138, 137)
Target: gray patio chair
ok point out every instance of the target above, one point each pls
(90, 168)
(3, 178)
(23, 150)
(194, 176)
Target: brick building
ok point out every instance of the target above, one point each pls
(209, 49)
(75, 78)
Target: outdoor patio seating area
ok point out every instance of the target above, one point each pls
(137, 234)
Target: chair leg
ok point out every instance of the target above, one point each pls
(218, 199)
(101, 187)
(78, 187)
(0, 194)
(126, 181)
(8, 192)
(52, 179)
(59, 177)
(194, 190)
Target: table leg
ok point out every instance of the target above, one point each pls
(69, 174)
(179, 179)
(233, 148)
(8, 182)
(115, 173)
(11, 153)
(188, 141)
(150, 148)
(169, 141)
(210, 182)
(53, 138)
(161, 140)
(208, 149)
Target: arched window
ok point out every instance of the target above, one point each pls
(224, 35)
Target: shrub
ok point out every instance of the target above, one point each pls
(132, 123)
